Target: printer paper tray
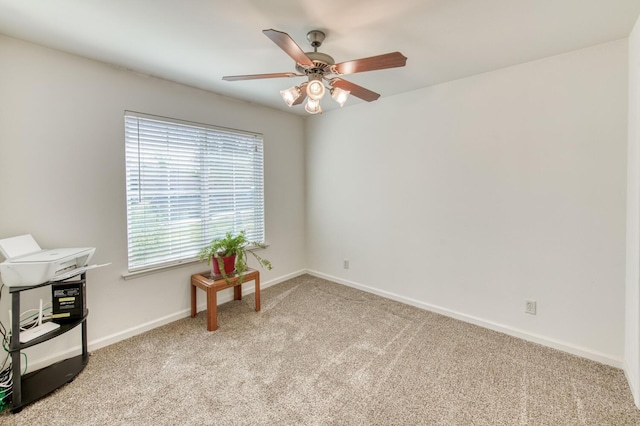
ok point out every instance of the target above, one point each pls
(74, 272)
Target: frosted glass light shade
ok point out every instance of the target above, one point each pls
(315, 90)
(313, 106)
(340, 95)
(290, 95)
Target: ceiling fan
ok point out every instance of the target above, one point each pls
(319, 67)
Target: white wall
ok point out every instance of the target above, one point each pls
(62, 177)
(505, 186)
(632, 293)
(471, 196)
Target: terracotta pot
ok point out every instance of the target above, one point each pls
(229, 264)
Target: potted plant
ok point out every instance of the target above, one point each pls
(228, 254)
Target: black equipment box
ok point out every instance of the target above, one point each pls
(69, 301)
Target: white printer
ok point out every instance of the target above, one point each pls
(27, 264)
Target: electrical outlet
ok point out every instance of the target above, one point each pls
(345, 264)
(530, 307)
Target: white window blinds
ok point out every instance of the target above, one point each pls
(188, 183)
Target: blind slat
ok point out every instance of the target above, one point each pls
(187, 184)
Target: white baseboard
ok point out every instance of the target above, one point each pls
(632, 385)
(522, 334)
(150, 325)
(525, 335)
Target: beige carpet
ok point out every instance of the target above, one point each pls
(320, 353)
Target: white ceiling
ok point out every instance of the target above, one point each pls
(196, 42)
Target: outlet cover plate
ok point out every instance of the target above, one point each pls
(530, 307)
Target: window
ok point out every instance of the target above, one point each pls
(188, 183)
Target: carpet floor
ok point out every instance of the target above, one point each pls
(320, 353)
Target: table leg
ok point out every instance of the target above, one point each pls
(212, 310)
(193, 301)
(257, 280)
(237, 292)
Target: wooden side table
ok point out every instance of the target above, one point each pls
(212, 285)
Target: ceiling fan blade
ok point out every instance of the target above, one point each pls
(289, 46)
(257, 76)
(303, 94)
(389, 60)
(357, 91)
(300, 99)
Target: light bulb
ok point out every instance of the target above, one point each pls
(313, 106)
(315, 90)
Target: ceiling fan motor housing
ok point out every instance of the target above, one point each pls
(321, 63)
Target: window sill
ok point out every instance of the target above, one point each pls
(144, 272)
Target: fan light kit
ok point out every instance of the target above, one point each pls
(320, 68)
